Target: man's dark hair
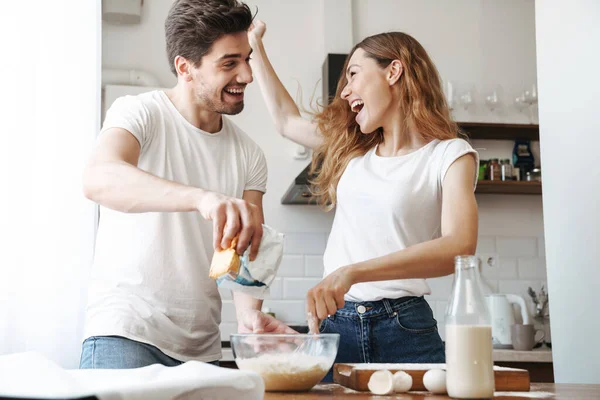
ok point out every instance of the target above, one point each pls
(192, 26)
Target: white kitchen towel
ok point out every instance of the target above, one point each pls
(34, 376)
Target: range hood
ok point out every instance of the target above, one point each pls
(299, 192)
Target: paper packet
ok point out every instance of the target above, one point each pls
(254, 278)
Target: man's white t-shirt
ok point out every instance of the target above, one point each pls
(150, 275)
(386, 204)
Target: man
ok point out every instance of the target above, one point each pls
(166, 165)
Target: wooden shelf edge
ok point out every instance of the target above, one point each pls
(508, 187)
(498, 125)
(496, 131)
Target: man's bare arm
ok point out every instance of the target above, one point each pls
(112, 179)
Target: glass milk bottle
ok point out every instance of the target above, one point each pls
(469, 364)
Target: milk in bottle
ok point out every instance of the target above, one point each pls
(469, 364)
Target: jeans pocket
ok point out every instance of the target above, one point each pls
(416, 318)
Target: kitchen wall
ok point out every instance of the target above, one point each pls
(476, 44)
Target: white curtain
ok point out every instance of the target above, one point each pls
(49, 117)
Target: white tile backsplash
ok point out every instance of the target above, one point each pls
(290, 311)
(227, 328)
(541, 247)
(486, 244)
(276, 289)
(304, 243)
(439, 311)
(532, 268)
(442, 330)
(518, 287)
(291, 265)
(296, 288)
(228, 311)
(225, 294)
(313, 266)
(440, 287)
(509, 216)
(505, 268)
(517, 246)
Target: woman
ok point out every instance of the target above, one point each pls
(403, 187)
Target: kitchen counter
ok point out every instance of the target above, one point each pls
(227, 354)
(538, 391)
(541, 355)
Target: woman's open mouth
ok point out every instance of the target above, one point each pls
(357, 106)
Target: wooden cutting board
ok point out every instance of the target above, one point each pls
(356, 376)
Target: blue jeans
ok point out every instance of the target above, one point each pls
(116, 352)
(387, 331)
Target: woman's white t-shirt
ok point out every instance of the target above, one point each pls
(386, 204)
(150, 275)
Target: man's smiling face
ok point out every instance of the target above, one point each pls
(223, 74)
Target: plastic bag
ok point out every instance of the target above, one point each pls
(255, 277)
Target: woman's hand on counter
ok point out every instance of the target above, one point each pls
(254, 321)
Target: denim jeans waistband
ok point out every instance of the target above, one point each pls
(369, 309)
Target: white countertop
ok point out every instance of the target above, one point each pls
(541, 355)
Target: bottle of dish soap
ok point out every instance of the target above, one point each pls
(523, 158)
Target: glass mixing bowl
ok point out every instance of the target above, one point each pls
(286, 362)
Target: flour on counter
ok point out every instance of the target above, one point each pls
(287, 372)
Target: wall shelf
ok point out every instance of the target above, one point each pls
(493, 131)
(508, 187)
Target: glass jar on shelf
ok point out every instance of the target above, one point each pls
(495, 170)
(484, 170)
(507, 170)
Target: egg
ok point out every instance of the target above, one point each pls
(381, 382)
(434, 381)
(402, 382)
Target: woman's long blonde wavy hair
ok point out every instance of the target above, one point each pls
(422, 101)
